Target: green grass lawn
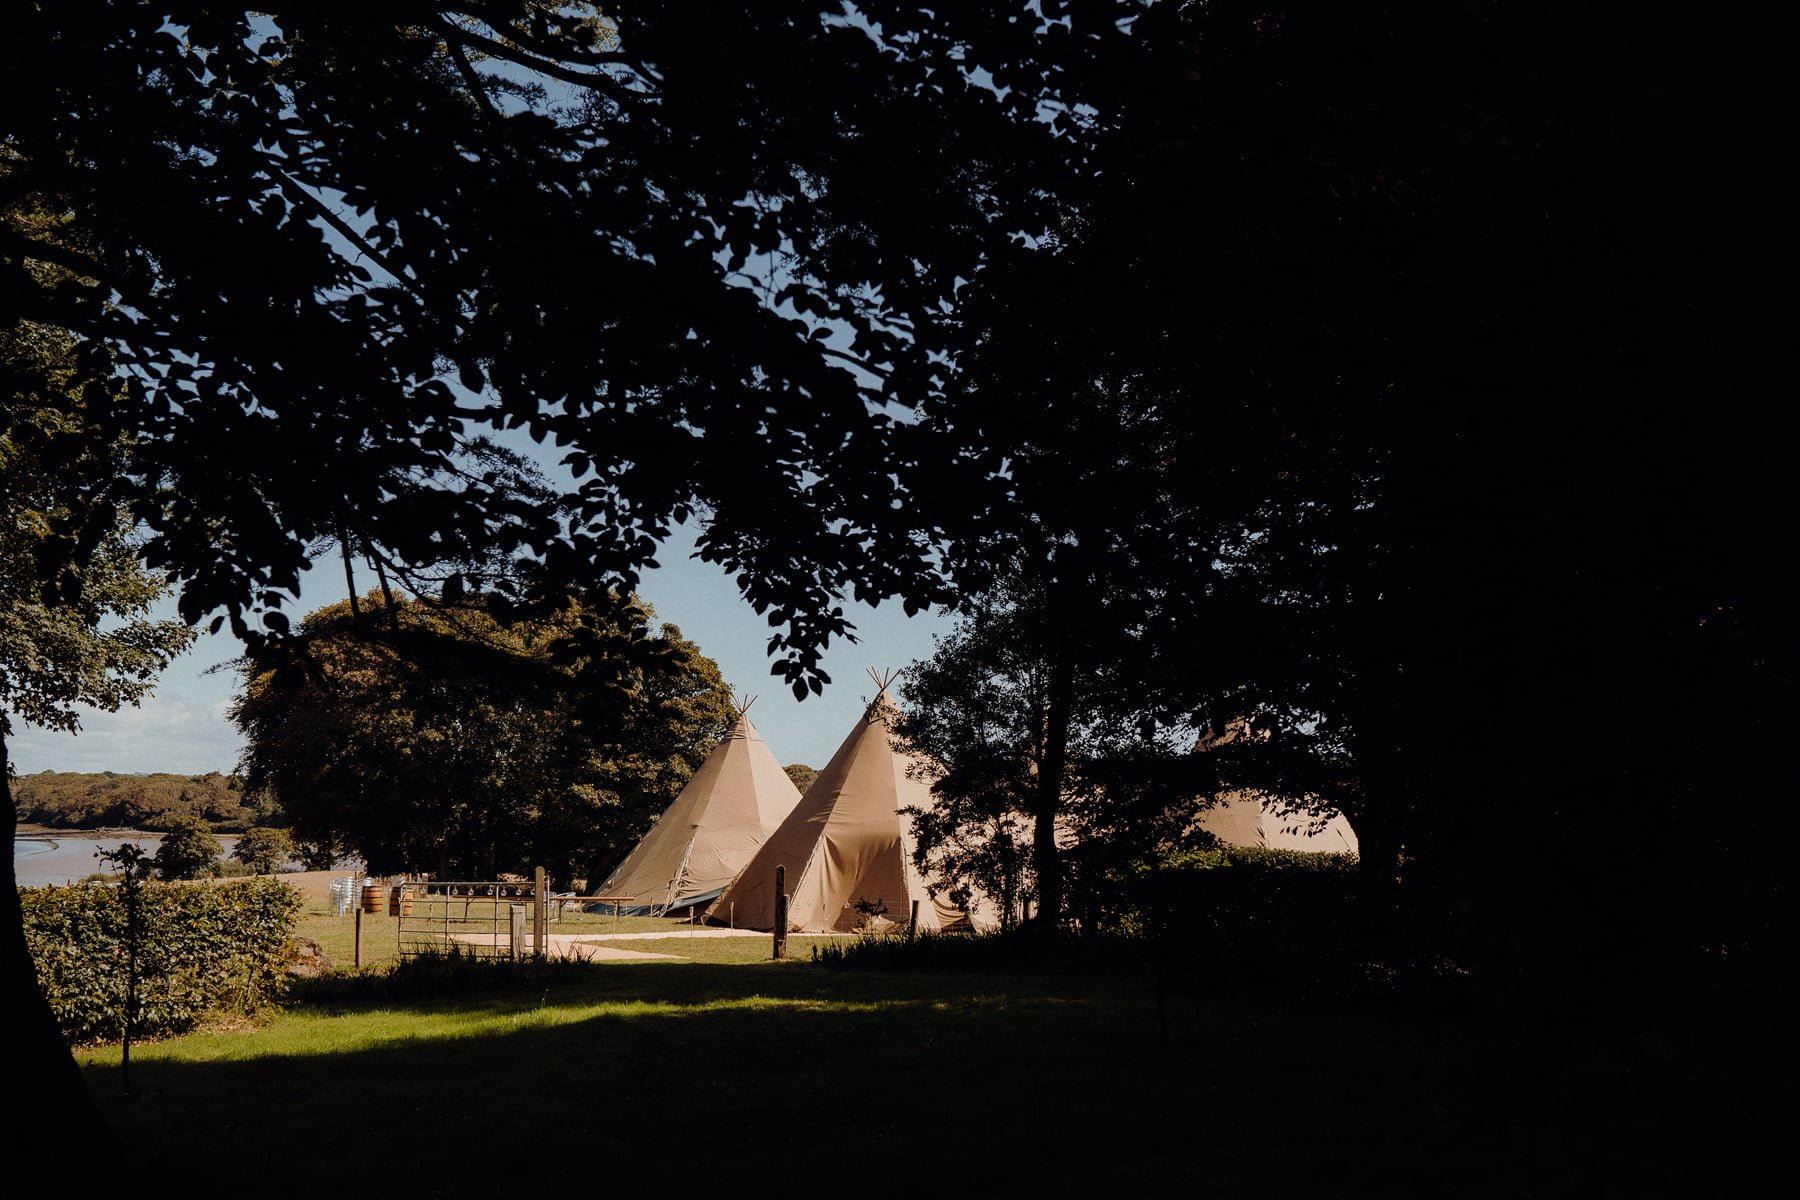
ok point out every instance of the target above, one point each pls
(790, 1076)
(651, 1073)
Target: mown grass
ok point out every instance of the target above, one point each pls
(793, 1075)
(629, 1075)
(1008, 1078)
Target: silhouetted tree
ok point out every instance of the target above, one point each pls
(312, 257)
(188, 851)
(1436, 316)
(462, 742)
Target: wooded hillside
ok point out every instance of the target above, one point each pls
(76, 800)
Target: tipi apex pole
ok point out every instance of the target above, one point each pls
(781, 912)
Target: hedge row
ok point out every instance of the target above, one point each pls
(204, 949)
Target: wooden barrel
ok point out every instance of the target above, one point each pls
(400, 902)
(373, 895)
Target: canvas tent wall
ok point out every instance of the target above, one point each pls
(845, 842)
(733, 802)
(1246, 819)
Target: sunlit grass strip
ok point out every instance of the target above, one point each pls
(307, 1033)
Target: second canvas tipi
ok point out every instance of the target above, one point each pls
(733, 802)
(847, 848)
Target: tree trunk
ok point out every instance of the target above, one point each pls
(350, 580)
(387, 593)
(53, 1102)
(1046, 858)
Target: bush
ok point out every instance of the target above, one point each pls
(1270, 923)
(205, 949)
(1029, 950)
(436, 973)
(189, 851)
(264, 851)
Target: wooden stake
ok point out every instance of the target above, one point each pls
(781, 912)
(538, 932)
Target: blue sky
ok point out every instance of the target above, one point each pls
(182, 727)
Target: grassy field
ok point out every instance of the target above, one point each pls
(792, 1076)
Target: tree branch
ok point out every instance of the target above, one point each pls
(294, 188)
(556, 70)
(463, 68)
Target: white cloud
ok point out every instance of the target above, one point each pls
(169, 733)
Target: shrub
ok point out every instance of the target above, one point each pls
(1029, 950)
(264, 851)
(1264, 922)
(205, 949)
(189, 851)
(435, 973)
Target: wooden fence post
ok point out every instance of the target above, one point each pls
(516, 935)
(538, 932)
(781, 912)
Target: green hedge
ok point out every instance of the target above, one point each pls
(205, 949)
(1241, 919)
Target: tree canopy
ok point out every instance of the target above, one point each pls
(90, 800)
(1026, 709)
(1396, 368)
(74, 597)
(642, 239)
(1392, 373)
(188, 851)
(454, 742)
(264, 850)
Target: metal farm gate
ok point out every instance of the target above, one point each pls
(482, 918)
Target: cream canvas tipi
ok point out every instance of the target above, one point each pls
(1245, 819)
(1250, 818)
(845, 844)
(733, 802)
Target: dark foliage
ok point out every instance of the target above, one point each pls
(204, 950)
(1406, 369)
(106, 799)
(468, 741)
(433, 975)
(1034, 951)
(188, 851)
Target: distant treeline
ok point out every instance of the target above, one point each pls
(73, 800)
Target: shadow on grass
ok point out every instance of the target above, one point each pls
(603, 1077)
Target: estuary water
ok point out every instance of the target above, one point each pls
(42, 859)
